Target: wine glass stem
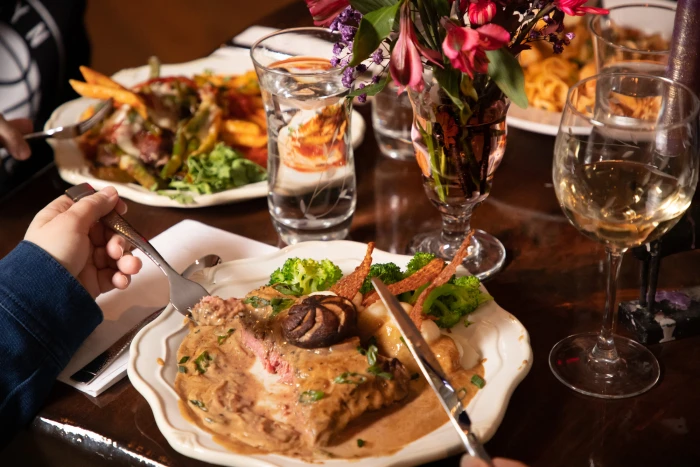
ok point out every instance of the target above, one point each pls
(604, 354)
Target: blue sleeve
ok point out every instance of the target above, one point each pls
(45, 314)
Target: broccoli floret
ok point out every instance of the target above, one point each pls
(451, 301)
(468, 282)
(389, 273)
(304, 276)
(417, 262)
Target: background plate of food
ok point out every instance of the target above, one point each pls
(182, 135)
(549, 76)
(252, 385)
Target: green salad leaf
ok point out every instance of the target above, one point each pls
(221, 169)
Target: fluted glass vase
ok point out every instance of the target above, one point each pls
(458, 151)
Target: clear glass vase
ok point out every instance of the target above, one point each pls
(458, 153)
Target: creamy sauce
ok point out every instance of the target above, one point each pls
(225, 400)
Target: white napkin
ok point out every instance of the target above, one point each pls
(180, 245)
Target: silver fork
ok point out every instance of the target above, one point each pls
(184, 293)
(73, 131)
(100, 363)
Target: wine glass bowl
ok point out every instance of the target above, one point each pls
(623, 181)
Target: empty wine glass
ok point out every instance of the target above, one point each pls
(625, 170)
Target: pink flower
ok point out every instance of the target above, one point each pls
(576, 8)
(466, 47)
(405, 66)
(481, 11)
(325, 11)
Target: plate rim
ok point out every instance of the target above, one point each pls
(155, 401)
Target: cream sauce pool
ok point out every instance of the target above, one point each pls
(220, 394)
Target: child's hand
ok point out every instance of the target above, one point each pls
(93, 254)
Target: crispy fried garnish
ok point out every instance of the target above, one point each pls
(442, 278)
(349, 285)
(421, 277)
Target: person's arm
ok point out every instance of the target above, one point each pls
(45, 314)
(47, 290)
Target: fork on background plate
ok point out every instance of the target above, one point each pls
(73, 131)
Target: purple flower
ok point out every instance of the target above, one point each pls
(362, 98)
(378, 56)
(335, 61)
(338, 47)
(570, 36)
(347, 32)
(558, 48)
(361, 68)
(375, 79)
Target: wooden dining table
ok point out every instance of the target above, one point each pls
(553, 282)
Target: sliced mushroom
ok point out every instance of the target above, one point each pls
(320, 321)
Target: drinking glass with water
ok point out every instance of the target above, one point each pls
(392, 118)
(311, 171)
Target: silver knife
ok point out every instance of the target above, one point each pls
(433, 372)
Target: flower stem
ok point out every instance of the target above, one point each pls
(524, 32)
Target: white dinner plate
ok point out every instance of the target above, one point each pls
(73, 168)
(497, 335)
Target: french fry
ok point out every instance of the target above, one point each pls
(445, 275)
(259, 118)
(95, 77)
(120, 96)
(243, 133)
(241, 126)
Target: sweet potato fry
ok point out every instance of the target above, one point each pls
(244, 133)
(442, 278)
(349, 285)
(421, 277)
(94, 77)
(120, 96)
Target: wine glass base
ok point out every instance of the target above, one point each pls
(637, 372)
(486, 255)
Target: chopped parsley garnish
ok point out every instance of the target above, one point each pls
(256, 302)
(350, 378)
(221, 339)
(374, 368)
(286, 289)
(360, 442)
(201, 363)
(199, 404)
(182, 369)
(415, 376)
(184, 359)
(478, 381)
(278, 304)
(377, 370)
(307, 397)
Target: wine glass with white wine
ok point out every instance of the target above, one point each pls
(625, 170)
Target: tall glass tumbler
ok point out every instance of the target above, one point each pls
(311, 172)
(633, 39)
(392, 119)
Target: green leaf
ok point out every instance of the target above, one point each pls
(365, 6)
(505, 70)
(372, 89)
(442, 7)
(449, 80)
(478, 381)
(374, 28)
